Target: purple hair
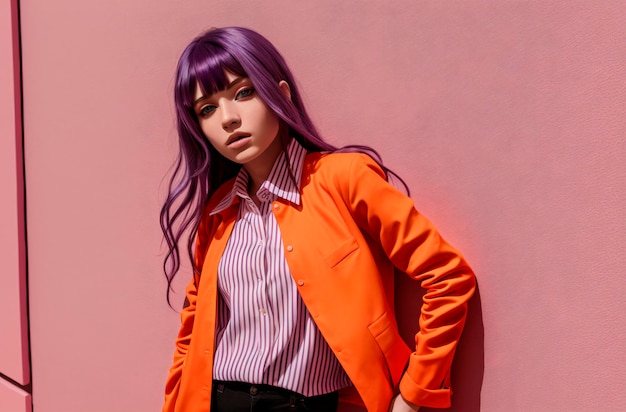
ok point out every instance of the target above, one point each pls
(199, 169)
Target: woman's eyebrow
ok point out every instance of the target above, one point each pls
(235, 82)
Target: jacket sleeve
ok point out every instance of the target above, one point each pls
(187, 319)
(414, 246)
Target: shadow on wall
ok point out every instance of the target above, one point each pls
(469, 363)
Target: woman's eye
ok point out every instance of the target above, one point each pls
(245, 93)
(206, 110)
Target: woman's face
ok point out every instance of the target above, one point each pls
(238, 123)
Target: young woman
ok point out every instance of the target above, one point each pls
(294, 244)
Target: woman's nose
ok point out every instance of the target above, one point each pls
(230, 118)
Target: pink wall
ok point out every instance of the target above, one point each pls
(14, 365)
(14, 399)
(506, 118)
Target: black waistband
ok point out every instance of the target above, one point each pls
(254, 388)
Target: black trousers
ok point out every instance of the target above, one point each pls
(245, 397)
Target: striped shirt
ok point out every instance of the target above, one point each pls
(265, 334)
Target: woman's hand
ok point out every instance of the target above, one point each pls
(399, 404)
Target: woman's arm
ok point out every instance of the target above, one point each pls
(414, 246)
(187, 317)
(182, 345)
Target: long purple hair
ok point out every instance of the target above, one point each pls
(199, 169)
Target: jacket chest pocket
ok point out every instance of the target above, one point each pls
(341, 253)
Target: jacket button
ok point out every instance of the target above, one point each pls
(289, 248)
(300, 282)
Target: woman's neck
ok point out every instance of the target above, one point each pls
(259, 169)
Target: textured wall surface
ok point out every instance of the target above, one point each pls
(507, 119)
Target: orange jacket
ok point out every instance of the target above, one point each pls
(341, 245)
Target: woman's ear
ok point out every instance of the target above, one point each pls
(284, 86)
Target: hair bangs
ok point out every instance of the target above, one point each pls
(208, 64)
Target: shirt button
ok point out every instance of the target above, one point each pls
(276, 206)
(260, 243)
(263, 311)
(300, 282)
(289, 248)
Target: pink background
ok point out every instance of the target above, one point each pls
(507, 119)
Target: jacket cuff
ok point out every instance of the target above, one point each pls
(433, 398)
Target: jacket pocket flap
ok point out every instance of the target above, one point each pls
(382, 332)
(342, 252)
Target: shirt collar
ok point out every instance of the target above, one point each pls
(279, 182)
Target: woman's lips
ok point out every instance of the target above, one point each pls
(238, 140)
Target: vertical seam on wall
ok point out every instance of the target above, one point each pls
(16, 56)
(23, 244)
